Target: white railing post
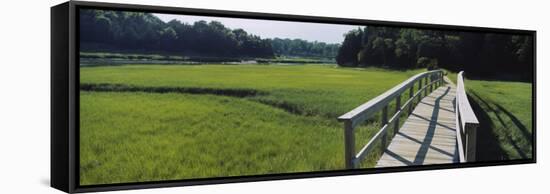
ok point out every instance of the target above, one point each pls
(467, 122)
(349, 140)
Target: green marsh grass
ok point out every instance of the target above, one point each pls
(290, 126)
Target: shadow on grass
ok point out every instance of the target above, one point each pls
(524, 132)
(231, 92)
(189, 90)
(488, 144)
(502, 77)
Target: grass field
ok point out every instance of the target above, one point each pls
(167, 122)
(129, 137)
(504, 110)
(308, 89)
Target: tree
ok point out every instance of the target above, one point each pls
(167, 38)
(487, 54)
(145, 33)
(348, 52)
(303, 48)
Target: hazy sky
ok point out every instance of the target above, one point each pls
(329, 33)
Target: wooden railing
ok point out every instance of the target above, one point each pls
(427, 82)
(466, 123)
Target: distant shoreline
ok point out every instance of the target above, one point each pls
(108, 58)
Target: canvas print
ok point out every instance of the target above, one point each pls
(178, 97)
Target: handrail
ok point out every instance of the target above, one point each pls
(381, 102)
(466, 123)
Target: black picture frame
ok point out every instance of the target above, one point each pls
(65, 98)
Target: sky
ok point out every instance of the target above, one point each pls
(329, 33)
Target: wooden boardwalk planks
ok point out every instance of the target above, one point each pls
(428, 136)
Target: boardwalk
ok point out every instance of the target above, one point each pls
(428, 136)
(441, 129)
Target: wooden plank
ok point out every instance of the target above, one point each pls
(418, 123)
(428, 136)
(436, 141)
(442, 119)
(434, 145)
(418, 135)
(428, 154)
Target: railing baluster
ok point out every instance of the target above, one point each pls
(349, 139)
(439, 78)
(411, 91)
(436, 80)
(384, 122)
(442, 76)
(432, 88)
(397, 109)
(420, 88)
(428, 81)
(426, 89)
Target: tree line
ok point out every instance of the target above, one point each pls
(144, 32)
(299, 47)
(480, 54)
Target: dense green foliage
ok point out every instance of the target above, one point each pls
(303, 48)
(138, 32)
(144, 32)
(504, 110)
(480, 54)
(290, 126)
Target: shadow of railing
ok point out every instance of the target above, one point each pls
(423, 150)
(489, 148)
(524, 132)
